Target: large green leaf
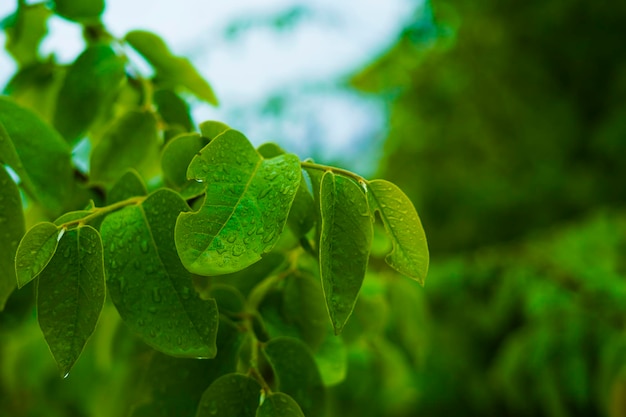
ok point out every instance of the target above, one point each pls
(44, 158)
(79, 10)
(25, 30)
(345, 241)
(279, 404)
(230, 395)
(90, 84)
(35, 251)
(11, 231)
(131, 142)
(246, 207)
(409, 255)
(296, 374)
(171, 71)
(175, 159)
(70, 295)
(151, 289)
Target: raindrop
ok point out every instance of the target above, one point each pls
(66, 375)
(112, 247)
(231, 238)
(144, 246)
(156, 295)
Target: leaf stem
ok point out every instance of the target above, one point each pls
(99, 211)
(312, 165)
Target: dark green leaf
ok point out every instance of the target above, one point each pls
(229, 396)
(409, 255)
(11, 231)
(35, 251)
(346, 238)
(303, 306)
(132, 142)
(70, 295)
(246, 206)
(173, 110)
(296, 374)
(27, 29)
(229, 300)
(79, 10)
(89, 86)
(151, 289)
(171, 71)
(211, 129)
(44, 157)
(129, 185)
(279, 405)
(175, 159)
(248, 278)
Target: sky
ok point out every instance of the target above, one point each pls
(280, 85)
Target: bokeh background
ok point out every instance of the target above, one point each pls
(505, 122)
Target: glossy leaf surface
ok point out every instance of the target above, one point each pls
(35, 251)
(230, 395)
(345, 241)
(151, 289)
(279, 404)
(70, 295)
(246, 207)
(11, 231)
(409, 255)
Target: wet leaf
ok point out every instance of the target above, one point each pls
(409, 255)
(35, 251)
(11, 231)
(246, 206)
(151, 289)
(230, 395)
(26, 29)
(89, 86)
(79, 10)
(129, 185)
(278, 404)
(345, 241)
(70, 295)
(175, 159)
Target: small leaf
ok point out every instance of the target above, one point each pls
(303, 306)
(11, 231)
(173, 110)
(129, 185)
(296, 374)
(345, 241)
(246, 207)
(151, 289)
(26, 29)
(279, 405)
(175, 159)
(409, 255)
(229, 396)
(89, 86)
(331, 358)
(171, 71)
(132, 142)
(35, 251)
(211, 129)
(70, 295)
(79, 10)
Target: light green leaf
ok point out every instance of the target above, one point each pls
(151, 289)
(175, 159)
(171, 71)
(331, 358)
(35, 251)
(70, 295)
(11, 231)
(129, 185)
(246, 207)
(278, 404)
(409, 255)
(79, 10)
(345, 241)
(211, 129)
(26, 29)
(173, 110)
(89, 86)
(131, 142)
(296, 374)
(229, 396)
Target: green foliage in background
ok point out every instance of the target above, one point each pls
(176, 270)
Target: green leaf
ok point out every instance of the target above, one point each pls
(11, 231)
(151, 289)
(303, 306)
(409, 255)
(35, 251)
(132, 142)
(129, 185)
(44, 158)
(175, 159)
(246, 206)
(331, 358)
(211, 129)
(296, 374)
(171, 71)
(346, 238)
(278, 404)
(89, 86)
(173, 110)
(70, 295)
(28, 26)
(230, 395)
(79, 10)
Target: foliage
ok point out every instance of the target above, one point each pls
(207, 247)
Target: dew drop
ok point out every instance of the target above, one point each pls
(144, 246)
(156, 295)
(66, 375)
(231, 238)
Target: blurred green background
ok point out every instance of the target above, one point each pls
(505, 122)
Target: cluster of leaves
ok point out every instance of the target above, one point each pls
(227, 252)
